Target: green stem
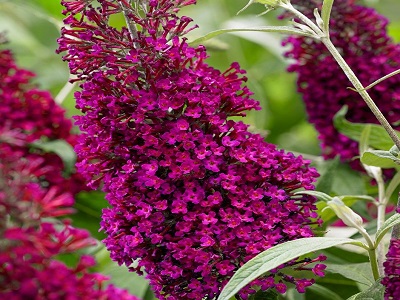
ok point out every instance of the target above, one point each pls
(377, 256)
(129, 23)
(65, 91)
(380, 253)
(396, 228)
(381, 219)
(382, 202)
(288, 6)
(361, 90)
(382, 79)
(374, 263)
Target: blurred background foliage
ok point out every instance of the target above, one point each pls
(32, 28)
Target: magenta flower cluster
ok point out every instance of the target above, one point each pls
(32, 187)
(29, 115)
(391, 281)
(194, 195)
(360, 35)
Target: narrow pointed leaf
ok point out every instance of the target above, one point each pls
(324, 292)
(360, 273)
(380, 158)
(325, 182)
(326, 14)
(319, 195)
(389, 223)
(277, 256)
(394, 183)
(345, 198)
(378, 138)
(318, 18)
(363, 145)
(279, 29)
(375, 292)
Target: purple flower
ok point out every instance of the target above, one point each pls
(33, 187)
(360, 35)
(30, 115)
(392, 271)
(194, 194)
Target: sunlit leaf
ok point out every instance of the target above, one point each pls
(393, 184)
(326, 13)
(277, 256)
(379, 139)
(375, 292)
(389, 223)
(363, 145)
(360, 273)
(120, 275)
(380, 158)
(348, 182)
(327, 178)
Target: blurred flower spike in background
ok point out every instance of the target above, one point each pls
(361, 35)
(33, 190)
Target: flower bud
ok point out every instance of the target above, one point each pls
(345, 213)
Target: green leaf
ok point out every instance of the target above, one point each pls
(389, 223)
(60, 147)
(278, 29)
(348, 182)
(277, 256)
(318, 19)
(265, 295)
(360, 273)
(356, 197)
(120, 275)
(394, 183)
(324, 292)
(293, 294)
(378, 139)
(325, 182)
(319, 195)
(149, 295)
(395, 151)
(344, 256)
(326, 14)
(375, 292)
(380, 158)
(363, 145)
(88, 207)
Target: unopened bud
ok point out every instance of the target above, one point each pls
(345, 213)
